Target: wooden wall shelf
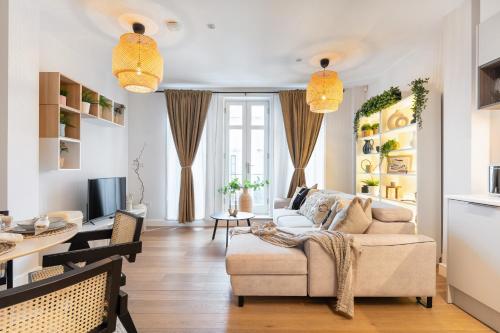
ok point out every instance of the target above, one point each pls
(53, 107)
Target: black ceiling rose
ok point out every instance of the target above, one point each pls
(324, 62)
(138, 28)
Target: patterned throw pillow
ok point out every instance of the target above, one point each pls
(300, 198)
(355, 218)
(297, 191)
(307, 206)
(317, 206)
(322, 207)
(336, 207)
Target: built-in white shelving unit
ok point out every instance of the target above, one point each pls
(406, 136)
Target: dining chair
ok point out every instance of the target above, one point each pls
(83, 299)
(124, 240)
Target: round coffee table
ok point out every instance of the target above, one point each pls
(241, 216)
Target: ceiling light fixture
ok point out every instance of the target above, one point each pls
(137, 64)
(325, 90)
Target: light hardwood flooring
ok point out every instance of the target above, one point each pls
(179, 284)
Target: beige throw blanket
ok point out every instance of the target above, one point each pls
(338, 245)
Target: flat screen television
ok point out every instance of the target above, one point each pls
(105, 197)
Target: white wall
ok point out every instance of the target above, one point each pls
(104, 150)
(19, 171)
(4, 83)
(148, 124)
(339, 142)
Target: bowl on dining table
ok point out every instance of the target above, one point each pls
(29, 225)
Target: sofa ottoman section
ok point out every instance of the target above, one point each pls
(258, 268)
(389, 265)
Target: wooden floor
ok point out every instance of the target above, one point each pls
(179, 284)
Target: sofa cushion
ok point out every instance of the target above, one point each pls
(377, 227)
(389, 265)
(353, 219)
(297, 221)
(392, 214)
(277, 213)
(248, 254)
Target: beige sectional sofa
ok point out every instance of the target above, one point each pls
(395, 261)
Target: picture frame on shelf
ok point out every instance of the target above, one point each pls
(400, 164)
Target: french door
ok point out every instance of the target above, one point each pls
(247, 146)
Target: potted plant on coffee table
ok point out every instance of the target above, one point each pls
(245, 200)
(230, 190)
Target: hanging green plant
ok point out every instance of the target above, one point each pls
(419, 103)
(376, 104)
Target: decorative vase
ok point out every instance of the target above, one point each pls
(245, 201)
(373, 190)
(62, 100)
(62, 130)
(61, 162)
(364, 189)
(85, 107)
(368, 146)
(397, 120)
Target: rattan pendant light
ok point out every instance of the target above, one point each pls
(136, 62)
(325, 90)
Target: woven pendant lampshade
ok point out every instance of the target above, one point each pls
(325, 90)
(137, 64)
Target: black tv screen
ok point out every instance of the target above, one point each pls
(106, 196)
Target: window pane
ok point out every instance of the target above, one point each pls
(235, 153)
(236, 114)
(257, 163)
(258, 116)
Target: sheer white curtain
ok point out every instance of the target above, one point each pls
(173, 176)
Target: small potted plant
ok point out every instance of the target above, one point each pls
(375, 128)
(366, 130)
(230, 189)
(372, 184)
(87, 101)
(63, 93)
(63, 148)
(104, 103)
(64, 122)
(387, 147)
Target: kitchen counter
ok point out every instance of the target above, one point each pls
(483, 199)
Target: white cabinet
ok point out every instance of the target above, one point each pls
(489, 40)
(474, 258)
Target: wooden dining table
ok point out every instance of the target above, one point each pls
(33, 245)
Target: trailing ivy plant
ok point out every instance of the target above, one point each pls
(376, 104)
(419, 103)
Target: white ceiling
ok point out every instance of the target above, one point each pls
(256, 42)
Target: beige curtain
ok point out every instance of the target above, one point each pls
(187, 112)
(302, 129)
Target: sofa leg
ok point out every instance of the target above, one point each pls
(428, 304)
(241, 301)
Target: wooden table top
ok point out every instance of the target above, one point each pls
(37, 244)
